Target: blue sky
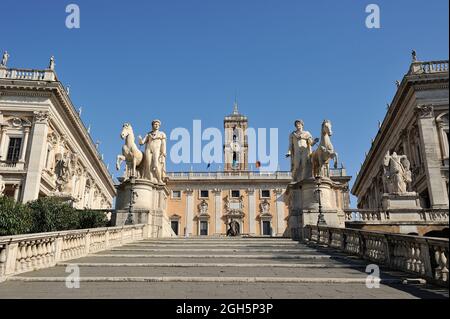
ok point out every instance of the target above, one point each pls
(183, 60)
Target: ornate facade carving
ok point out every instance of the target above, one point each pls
(41, 117)
(424, 111)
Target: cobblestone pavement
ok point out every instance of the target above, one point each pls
(217, 268)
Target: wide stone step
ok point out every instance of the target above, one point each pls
(177, 259)
(216, 290)
(207, 272)
(195, 246)
(208, 250)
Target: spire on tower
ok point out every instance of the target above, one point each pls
(235, 108)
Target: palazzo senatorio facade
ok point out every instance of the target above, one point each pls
(204, 203)
(45, 149)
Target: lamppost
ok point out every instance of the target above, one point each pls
(321, 218)
(129, 220)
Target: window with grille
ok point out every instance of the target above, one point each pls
(14, 147)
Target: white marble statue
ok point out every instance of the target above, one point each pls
(320, 158)
(397, 173)
(154, 162)
(5, 58)
(2, 186)
(63, 171)
(300, 148)
(203, 208)
(130, 153)
(51, 64)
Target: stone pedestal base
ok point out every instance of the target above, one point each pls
(304, 205)
(149, 206)
(401, 201)
(402, 207)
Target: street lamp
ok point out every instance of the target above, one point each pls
(321, 218)
(129, 220)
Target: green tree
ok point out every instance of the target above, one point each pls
(15, 218)
(91, 219)
(51, 214)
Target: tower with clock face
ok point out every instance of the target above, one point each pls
(236, 142)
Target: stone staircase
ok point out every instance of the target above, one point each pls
(248, 268)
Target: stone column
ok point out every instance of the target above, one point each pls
(431, 157)
(189, 212)
(251, 210)
(37, 153)
(218, 211)
(16, 192)
(25, 145)
(280, 212)
(2, 141)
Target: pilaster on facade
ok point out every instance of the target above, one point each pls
(280, 211)
(431, 156)
(37, 153)
(189, 212)
(252, 210)
(218, 211)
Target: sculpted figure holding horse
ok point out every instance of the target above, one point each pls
(320, 158)
(130, 153)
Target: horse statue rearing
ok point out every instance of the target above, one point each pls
(130, 153)
(320, 158)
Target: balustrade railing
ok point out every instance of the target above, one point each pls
(243, 174)
(423, 256)
(27, 74)
(370, 215)
(23, 253)
(429, 67)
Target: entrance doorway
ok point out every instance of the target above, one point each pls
(174, 224)
(266, 228)
(203, 228)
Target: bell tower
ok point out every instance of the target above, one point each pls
(236, 141)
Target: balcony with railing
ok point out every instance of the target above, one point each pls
(429, 67)
(9, 166)
(27, 74)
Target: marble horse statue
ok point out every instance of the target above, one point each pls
(130, 153)
(320, 158)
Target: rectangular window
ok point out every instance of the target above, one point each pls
(235, 194)
(265, 193)
(176, 194)
(204, 194)
(15, 144)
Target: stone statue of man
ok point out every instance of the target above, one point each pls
(300, 148)
(5, 58)
(51, 64)
(154, 162)
(397, 173)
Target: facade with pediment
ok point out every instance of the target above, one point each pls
(45, 149)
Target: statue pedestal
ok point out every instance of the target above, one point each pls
(149, 206)
(304, 205)
(402, 207)
(401, 201)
